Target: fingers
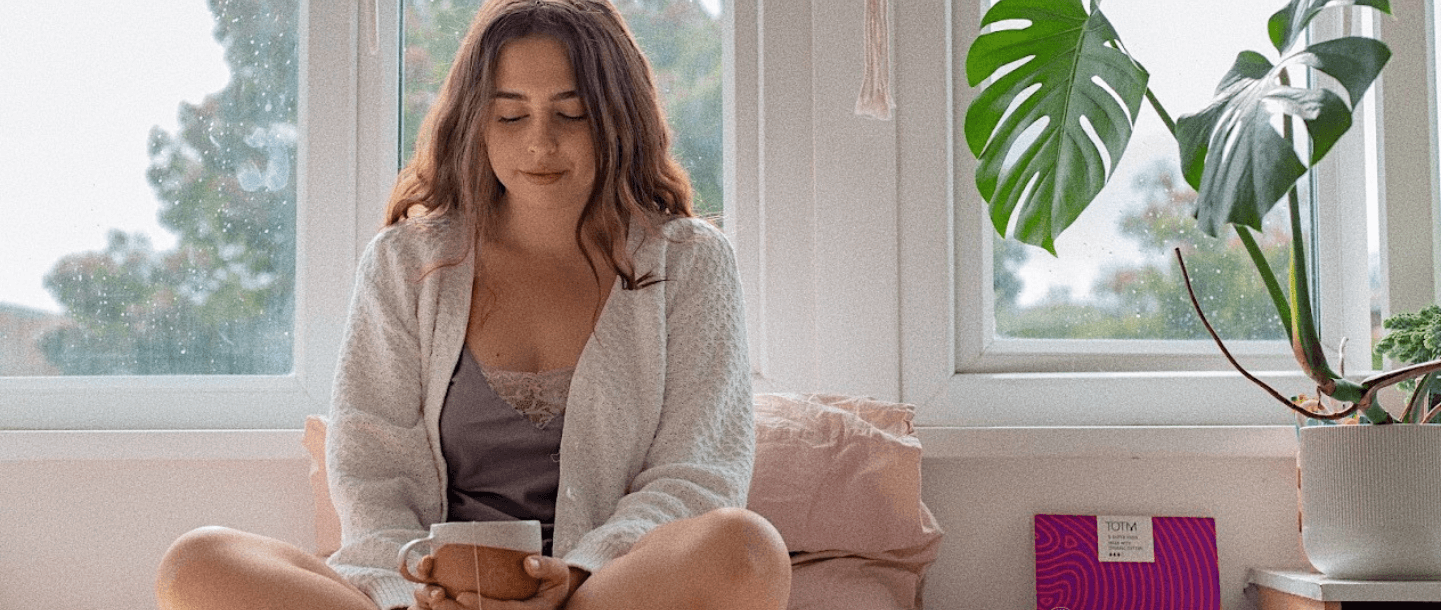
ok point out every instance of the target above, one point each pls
(425, 597)
(427, 564)
(433, 598)
(547, 569)
(554, 576)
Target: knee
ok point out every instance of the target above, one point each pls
(755, 567)
(196, 557)
(202, 545)
(748, 542)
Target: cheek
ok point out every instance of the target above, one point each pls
(499, 146)
(585, 149)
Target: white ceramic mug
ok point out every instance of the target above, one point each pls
(478, 556)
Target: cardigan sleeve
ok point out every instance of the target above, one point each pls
(703, 451)
(377, 451)
(707, 429)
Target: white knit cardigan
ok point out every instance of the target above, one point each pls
(658, 426)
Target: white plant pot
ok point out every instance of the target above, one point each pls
(1371, 501)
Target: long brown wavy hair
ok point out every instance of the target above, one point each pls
(636, 177)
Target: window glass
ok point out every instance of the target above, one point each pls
(1115, 275)
(149, 170)
(682, 39)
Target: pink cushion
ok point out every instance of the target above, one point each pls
(840, 477)
(830, 582)
(327, 522)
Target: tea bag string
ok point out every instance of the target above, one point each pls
(475, 563)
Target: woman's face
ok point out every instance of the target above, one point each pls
(538, 132)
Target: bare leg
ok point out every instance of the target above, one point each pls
(727, 558)
(215, 568)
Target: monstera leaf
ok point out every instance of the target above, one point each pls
(1029, 128)
(1232, 154)
(1289, 24)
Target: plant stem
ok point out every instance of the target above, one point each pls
(1423, 388)
(1160, 111)
(1305, 340)
(1196, 303)
(1375, 383)
(1430, 415)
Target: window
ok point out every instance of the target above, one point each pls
(992, 379)
(183, 239)
(159, 233)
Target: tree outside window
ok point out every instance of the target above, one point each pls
(220, 301)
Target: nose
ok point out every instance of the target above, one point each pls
(541, 139)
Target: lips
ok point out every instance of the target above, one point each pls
(543, 177)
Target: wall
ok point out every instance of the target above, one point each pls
(104, 523)
(986, 506)
(86, 532)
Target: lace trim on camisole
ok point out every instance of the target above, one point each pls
(540, 397)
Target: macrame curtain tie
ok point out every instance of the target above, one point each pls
(875, 98)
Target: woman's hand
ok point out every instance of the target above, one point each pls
(425, 597)
(557, 582)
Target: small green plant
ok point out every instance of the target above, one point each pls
(1416, 338)
(1057, 115)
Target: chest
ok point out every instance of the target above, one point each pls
(534, 315)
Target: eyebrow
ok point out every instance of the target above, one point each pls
(513, 95)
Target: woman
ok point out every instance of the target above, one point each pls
(541, 270)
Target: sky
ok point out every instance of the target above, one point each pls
(84, 83)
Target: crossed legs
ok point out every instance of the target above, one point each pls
(727, 558)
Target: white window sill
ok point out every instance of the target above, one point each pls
(940, 442)
(176, 445)
(1120, 442)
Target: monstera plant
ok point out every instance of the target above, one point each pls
(1047, 134)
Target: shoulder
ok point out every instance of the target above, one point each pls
(415, 245)
(692, 256)
(690, 228)
(696, 240)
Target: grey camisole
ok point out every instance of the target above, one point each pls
(500, 434)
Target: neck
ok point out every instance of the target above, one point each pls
(538, 230)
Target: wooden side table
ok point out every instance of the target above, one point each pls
(1299, 590)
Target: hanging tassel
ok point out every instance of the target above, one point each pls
(875, 98)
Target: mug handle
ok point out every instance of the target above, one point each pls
(404, 561)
